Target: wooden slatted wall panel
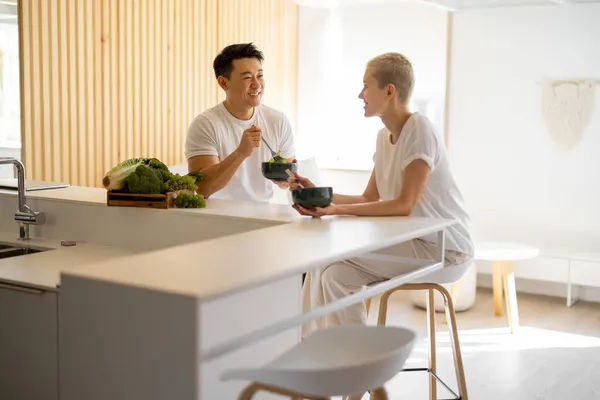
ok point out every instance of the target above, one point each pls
(272, 25)
(106, 80)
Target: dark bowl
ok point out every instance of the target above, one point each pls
(312, 197)
(276, 171)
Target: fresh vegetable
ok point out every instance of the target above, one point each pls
(160, 167)
(198, 175)
(145, 180)
(116, 178)
(178, 182)
(189, 200)
(151, 176)
(277, 158)
(184, 188)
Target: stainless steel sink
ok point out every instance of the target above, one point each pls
(8, 250)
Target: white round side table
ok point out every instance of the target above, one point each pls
(503, 255)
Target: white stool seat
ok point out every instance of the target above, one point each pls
(337, 361)
(504, 251)
(446, 275)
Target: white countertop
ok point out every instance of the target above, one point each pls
(79, 194)
(277, 213)
(215, 268)
(42, 270)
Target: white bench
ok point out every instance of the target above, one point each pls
(583, 268)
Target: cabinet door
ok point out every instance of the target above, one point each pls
(28, 343)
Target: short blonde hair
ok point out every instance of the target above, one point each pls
(396, 69)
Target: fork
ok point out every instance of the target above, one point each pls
(291, 175)
(273, 154)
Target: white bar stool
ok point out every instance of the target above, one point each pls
(338, 361)
(433, 282)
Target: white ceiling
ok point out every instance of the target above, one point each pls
(450, 4)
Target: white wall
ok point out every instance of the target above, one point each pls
(517, 184)
(9, 86)
(10, 137)
(513, 176)
(334, 47)
(6, 171)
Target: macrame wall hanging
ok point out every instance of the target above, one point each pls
(567, 109)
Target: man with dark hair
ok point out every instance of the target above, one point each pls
(224, 142)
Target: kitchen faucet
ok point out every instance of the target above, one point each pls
(25, 216)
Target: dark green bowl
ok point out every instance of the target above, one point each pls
(276, 171)
(312, 197)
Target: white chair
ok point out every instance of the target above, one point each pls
(432, 283)
(338, 361)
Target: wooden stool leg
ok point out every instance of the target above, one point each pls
(430, 301)
(249, 392)
(510, 294)
(356, 397)
(497, 273)
(453, 330)
(383, 303)
(379, 394)
(368, 304)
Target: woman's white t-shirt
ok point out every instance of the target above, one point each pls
(441, 197)
(216, 132)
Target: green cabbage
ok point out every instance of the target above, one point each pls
(116, 178)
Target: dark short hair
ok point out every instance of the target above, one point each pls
(223, 64)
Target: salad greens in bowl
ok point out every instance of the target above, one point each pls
(275, 168)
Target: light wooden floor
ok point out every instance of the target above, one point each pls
(556, 355)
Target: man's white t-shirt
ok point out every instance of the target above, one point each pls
(441, 197)
(216, 132)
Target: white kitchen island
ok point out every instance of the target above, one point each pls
(30, 285)
(162, 323)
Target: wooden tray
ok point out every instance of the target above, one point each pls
(116, 199)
